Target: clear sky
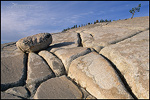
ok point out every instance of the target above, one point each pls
(24, 18)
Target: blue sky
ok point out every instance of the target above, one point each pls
(24, 18)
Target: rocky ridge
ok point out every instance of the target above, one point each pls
(100, 61)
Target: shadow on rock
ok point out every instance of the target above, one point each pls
(60, 45)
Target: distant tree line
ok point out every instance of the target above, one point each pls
(133, 10)
(76, 26)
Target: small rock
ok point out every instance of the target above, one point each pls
(55, 64)
(87, 39)
(8, 96)
(35, 42)
(38, 70)
(18, 91)
(58, 88)
(67, 55)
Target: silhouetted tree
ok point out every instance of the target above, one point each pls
(106, 20)
(76, 26)
(68, 28)
(101, 20)
(135, 9)
(97, 21)
(64, 30)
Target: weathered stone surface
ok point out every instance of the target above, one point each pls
(69, 54)
(131, 57)
(113, 32)
(13, 67)
(8, 46)
(87, 39)
(35, 42)
(58, 88)
(38, 70)
(95, 74)
(139, 23)
(18, 91)
(8, 96)
(104, 36)
(55, 63)
(64, 40)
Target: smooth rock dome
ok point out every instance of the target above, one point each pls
(34, 43)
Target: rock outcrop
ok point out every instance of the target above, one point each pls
(13, 67)
(58, 88)
(54, 62)
(95, 74)
(38, 70)
(108, 60)
(69, 54)
(131, 57)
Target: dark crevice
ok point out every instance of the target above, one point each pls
(107, 23)
(121, 77)
(29, 93)
(79, 40)
(91, 35)
(93, 50)
(119, 40)
(26, 68)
